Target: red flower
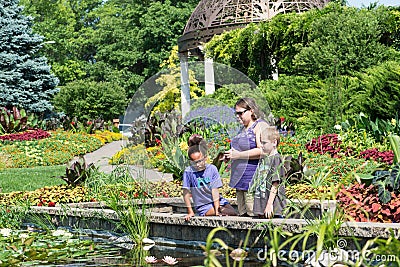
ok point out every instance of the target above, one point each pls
(52, 204)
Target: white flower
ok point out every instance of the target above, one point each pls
(150, 259)
(147, 241)
(169, 260)
(23, 236)
(5, 232)
(337, 127)
(61, 232)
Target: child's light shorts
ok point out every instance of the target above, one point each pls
(202, 210)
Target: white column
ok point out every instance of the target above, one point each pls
(185, 84)
(209, 76)
(275, 74)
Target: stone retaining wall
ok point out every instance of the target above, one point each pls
(167, 223)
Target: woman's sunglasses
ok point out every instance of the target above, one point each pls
(240, 113)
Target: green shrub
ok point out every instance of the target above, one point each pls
(88, 99)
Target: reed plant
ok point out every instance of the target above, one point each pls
(131, 208)
(239, 254)
(12, 216)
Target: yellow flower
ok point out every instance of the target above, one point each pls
(183, 145)
(393, 122)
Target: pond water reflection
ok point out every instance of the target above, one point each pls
(110, 249)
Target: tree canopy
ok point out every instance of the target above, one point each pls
(25, 78)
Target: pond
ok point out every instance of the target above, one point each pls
(32, 246)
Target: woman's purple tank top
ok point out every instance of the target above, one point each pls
(242, 170)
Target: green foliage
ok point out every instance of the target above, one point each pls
(324, 229)
(361, 125)
(169, 97)
(376, 84)
(14, 120)
(12, 216)
(395, 144)
(387, 182)
(226, 95)
(21, 247)
(211, 259)
(348, 39)
(176, 159)
(389, 247)
(346, 47)
(131, 208)
(289, 97)
(88, 100)
(26, 81)
(78, 172)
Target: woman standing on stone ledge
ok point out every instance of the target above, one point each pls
(245, 152)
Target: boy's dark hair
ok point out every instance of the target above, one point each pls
(196, 144)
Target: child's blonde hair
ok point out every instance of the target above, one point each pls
(270, 133)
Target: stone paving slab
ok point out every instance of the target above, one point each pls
(101, 156)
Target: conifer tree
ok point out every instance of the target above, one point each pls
(25, 78)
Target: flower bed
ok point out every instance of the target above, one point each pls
(57, 148)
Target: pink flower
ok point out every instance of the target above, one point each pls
(169, 260)
(150, 259)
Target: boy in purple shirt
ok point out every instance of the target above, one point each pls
(201, 182)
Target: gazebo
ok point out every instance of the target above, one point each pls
(212, 17)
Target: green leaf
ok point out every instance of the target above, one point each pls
(383, 193)
(395, 144)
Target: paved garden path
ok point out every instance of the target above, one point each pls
(101, 156)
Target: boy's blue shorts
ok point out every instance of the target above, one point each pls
(202, 210)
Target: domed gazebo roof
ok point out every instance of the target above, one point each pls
(213, 17)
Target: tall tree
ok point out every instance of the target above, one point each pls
(344, 40)
(25, 78)
(132, 39)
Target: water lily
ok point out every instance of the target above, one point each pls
(61, 232)
(169, 260)
(23, 236)
(150, 259)
(147, 241)
(5, 232)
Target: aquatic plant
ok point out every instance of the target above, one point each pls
(131, 209)
(24, 247)
(151, 259)
(238, 254)
(169, 260)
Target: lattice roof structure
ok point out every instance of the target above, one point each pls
(213, 17)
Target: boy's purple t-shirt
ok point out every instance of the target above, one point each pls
(200, 184)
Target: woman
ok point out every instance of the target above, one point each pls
(245, 152)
